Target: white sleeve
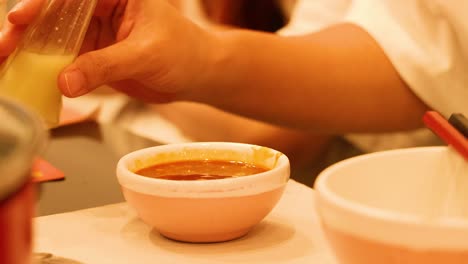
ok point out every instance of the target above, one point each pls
(310, 16)
(427, 42)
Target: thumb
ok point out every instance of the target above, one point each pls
(93, 69)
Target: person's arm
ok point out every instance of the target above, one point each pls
(200, 122)
(336, 80)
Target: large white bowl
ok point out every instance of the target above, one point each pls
(385, 207)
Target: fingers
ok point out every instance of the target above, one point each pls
(106, 8)
(9, 38)
(18, 19)
(115, 11)
(25, 12)
(96, 68)
(91, 39)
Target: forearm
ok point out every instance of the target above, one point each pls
(336, 80)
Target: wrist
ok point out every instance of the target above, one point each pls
(217, 70)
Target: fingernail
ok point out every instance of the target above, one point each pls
(75, 82)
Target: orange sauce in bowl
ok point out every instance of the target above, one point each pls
(193, 170)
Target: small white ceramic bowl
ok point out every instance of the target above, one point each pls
(385, 207)
(204, 211)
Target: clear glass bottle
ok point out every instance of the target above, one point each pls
(50, 44)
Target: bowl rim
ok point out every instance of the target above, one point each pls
(383, 215)
(274, 177)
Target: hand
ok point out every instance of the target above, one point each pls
(143, 48)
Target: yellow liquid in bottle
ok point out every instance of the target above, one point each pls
(31, 79)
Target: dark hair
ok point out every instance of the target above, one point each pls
(264, 15)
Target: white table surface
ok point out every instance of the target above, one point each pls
(114, 234)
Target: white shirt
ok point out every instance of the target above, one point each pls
(426, 41)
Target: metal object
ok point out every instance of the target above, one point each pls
(460, 122)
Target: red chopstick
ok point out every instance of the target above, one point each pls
(449, 134)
